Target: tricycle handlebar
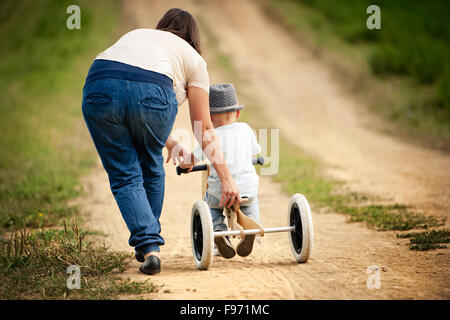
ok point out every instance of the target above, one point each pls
(204, 167)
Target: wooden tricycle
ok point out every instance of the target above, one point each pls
(299, 224)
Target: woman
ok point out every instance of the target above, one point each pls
(130, 100)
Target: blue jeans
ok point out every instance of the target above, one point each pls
(129, 122)
(250, 209)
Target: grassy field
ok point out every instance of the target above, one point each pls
(42, 66)
(46, 148)
(300, 171)
(402, 70)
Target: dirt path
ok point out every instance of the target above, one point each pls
(303, 91)
(319, 117)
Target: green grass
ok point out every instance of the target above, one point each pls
(427, 240)
(33, 265)
(401, 71)
(299, 172)
(44, 143)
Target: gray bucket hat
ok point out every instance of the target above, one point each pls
(223, 98)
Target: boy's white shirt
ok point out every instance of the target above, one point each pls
(239, 145)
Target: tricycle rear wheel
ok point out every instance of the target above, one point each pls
(202, 235)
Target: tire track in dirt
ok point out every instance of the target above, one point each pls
(342, 251)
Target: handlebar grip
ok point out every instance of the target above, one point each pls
(259, 160)
(201, 167)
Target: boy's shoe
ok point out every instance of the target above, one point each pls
(225, 247)
(245, 246)
(152, 265)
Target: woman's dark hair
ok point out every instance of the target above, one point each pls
(183, 24)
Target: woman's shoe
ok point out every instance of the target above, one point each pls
(139, 256)
(151, 265)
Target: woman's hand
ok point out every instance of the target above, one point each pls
(230, 193)
(175, 151)
(179, 155)
(186, 161)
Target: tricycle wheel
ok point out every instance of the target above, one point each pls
(202, 235)
(301, 238)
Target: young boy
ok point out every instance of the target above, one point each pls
(239, 146)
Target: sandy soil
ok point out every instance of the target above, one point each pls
(322, 119)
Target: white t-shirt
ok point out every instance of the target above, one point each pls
(162, 52)
(239, 145)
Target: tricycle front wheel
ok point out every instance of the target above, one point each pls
(302, 237)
